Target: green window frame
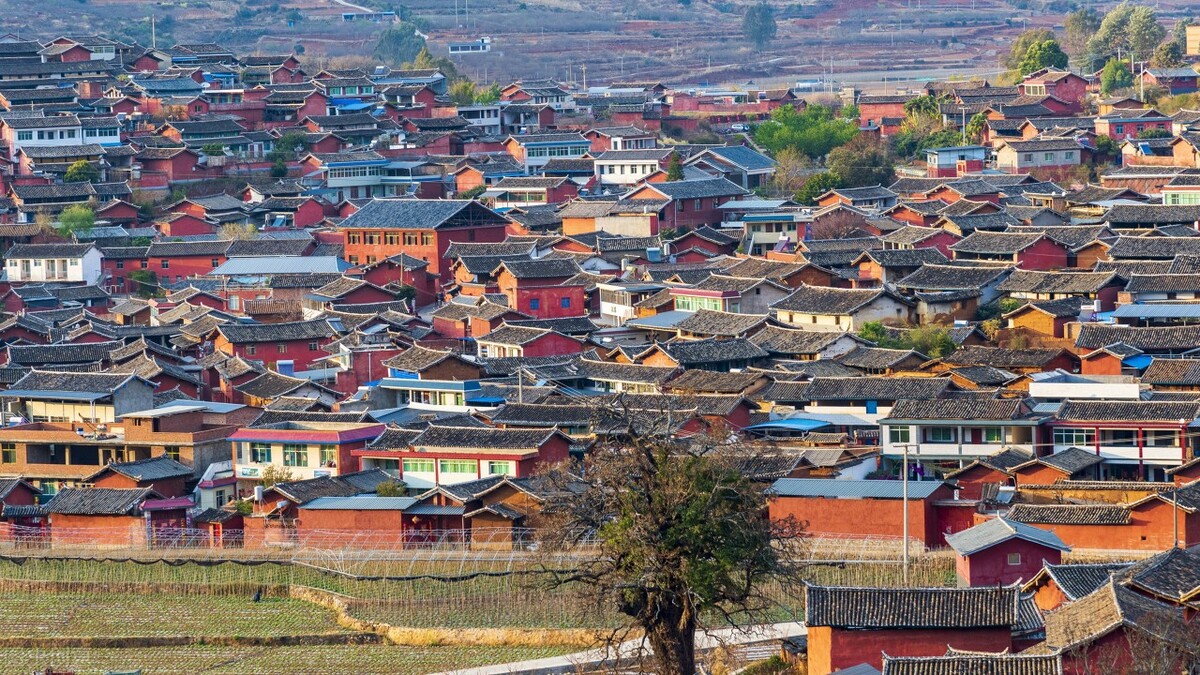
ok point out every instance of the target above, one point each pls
(295, 454)
(458, 466)
(260, 453)
(416, 465)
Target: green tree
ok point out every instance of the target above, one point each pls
(275, 474)
(1145, 33)
(876, 332)
(1179, 32)
(1145, 134)
(1045, 54)
(426, 61)
(81, 171)
(463, 92)
(390, 488)
(977, 127)
(488, 96)
(1078, 29)
(399, 44)
(814, 131)
(932, 341)
(922, 106)
(758, 25)
(817, 185)
(1021, 46)
(1115, 76)
(1167, 55)
(674, 168)
(1107, 147)
(1113, 34)
(864, 161)
(75, 219)
(144, 283)
(678, 536)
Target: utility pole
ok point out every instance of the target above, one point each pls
(904, 506)
(963, 108)
(583, 69)
(153, 34)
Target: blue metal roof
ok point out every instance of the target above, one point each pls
(791, 424)
(1181, 310)
(853, 489)
(360, 503)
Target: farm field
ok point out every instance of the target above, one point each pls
(307, 660)
(45, 614)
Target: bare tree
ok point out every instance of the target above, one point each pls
(681, 542)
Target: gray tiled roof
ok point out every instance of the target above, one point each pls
(907, 608)
(1134, 411)
(1078, 580)
(420, 213)
(698, 352)
(997, 531)
(974, 663)
(875, 388)
(827, 301)
(959, 409)
(150, 469)
(275, 332)
(472, 437)
(1069, 514)
(1167, 338)
(99, 501)
(952, 277)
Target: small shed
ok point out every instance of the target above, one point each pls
(999, 552)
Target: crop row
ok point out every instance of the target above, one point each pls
(307, 660)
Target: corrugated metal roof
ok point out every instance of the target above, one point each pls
(997, 531)
(853, 489)
(361, 503)
(261, 265)
(1155, 311)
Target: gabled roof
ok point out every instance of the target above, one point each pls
(150, 469)
(427, 214)
(1077, 580)
(692, 189)
(92, 501)
(827, 301)
(1070, 461)
(1069, 514)
(792, 341)
(1036, 281)
(1107, 609)
(1167, 338)
(997, 531)
(952, 277)
(962, 663)
(990, 409)
(875, 388)
(907, 608)
(276, 332)
(483, 439)
(1003, 461)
